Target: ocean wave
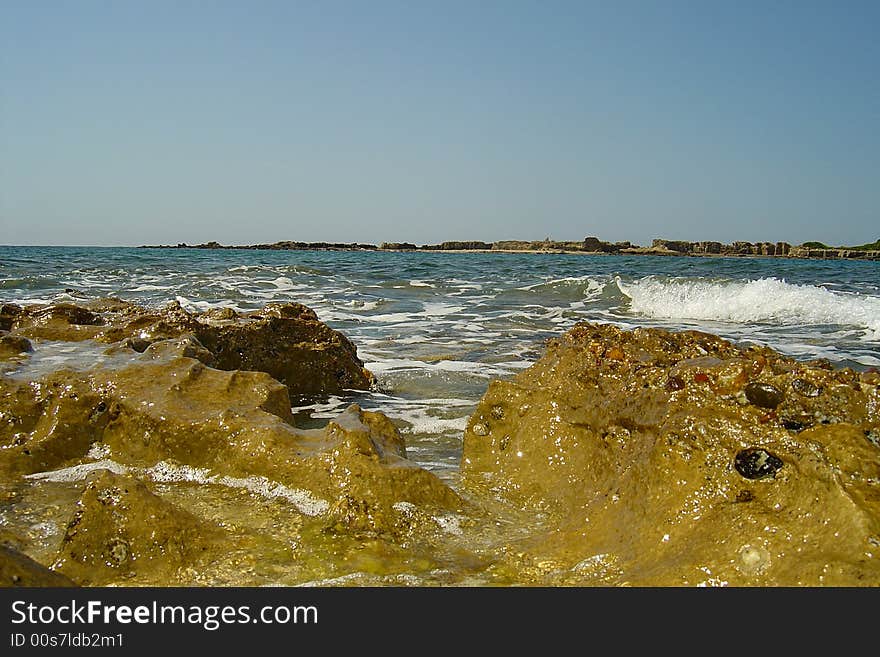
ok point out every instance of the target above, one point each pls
(761, 301)
(28, 283)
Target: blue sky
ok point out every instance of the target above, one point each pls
(161, 122)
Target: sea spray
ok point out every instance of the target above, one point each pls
(761, 301)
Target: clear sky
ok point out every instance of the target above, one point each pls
(162, 122)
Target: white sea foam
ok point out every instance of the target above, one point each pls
(283, 283)
(78, 472)
(466, 285)
(553, 281)
(98, 451)
(303, 500)
(439, 309)
(425, 423)
(477, 369)
(337, 581)
(165, 472)
(201, 306)
(765, 300)
(392, 318)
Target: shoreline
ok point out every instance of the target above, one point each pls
(590, 246)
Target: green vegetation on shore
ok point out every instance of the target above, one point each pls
(873, 246)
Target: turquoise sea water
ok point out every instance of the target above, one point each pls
(436, 327)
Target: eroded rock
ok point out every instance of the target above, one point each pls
(176, 397)
(174, 407)
(287, 341)
(652, 464)
(144, 410)
(122, 531)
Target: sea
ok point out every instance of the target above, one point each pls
(435, 328)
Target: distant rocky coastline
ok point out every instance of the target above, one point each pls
(590, 245)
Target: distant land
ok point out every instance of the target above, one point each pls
(591, 245)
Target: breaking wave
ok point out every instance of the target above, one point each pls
(761, 301)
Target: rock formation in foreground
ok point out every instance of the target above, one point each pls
(152, 466)
(151, 448)
(658, 458)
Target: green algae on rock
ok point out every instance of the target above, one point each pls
(634, 444)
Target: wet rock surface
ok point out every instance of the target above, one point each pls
(121, 531)
(287, 341)
(658, 458)
(147, 440)
(150, 448)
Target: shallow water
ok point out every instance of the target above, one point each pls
(435, 328)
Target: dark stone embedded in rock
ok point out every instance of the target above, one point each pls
(757, 463)
(764, 394)
(674, 383)
(793, 424)
(806, 388)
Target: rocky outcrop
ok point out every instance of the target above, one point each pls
(121, 531)
(589, 245)
(152, 404)
(285, 245)
(458, 246)
(397, 246)
(287, 341)
(595, 245)
(659, 458)
(621, 457)
(672, 245)
(163, 406)
(678, 247)
(827, 254)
